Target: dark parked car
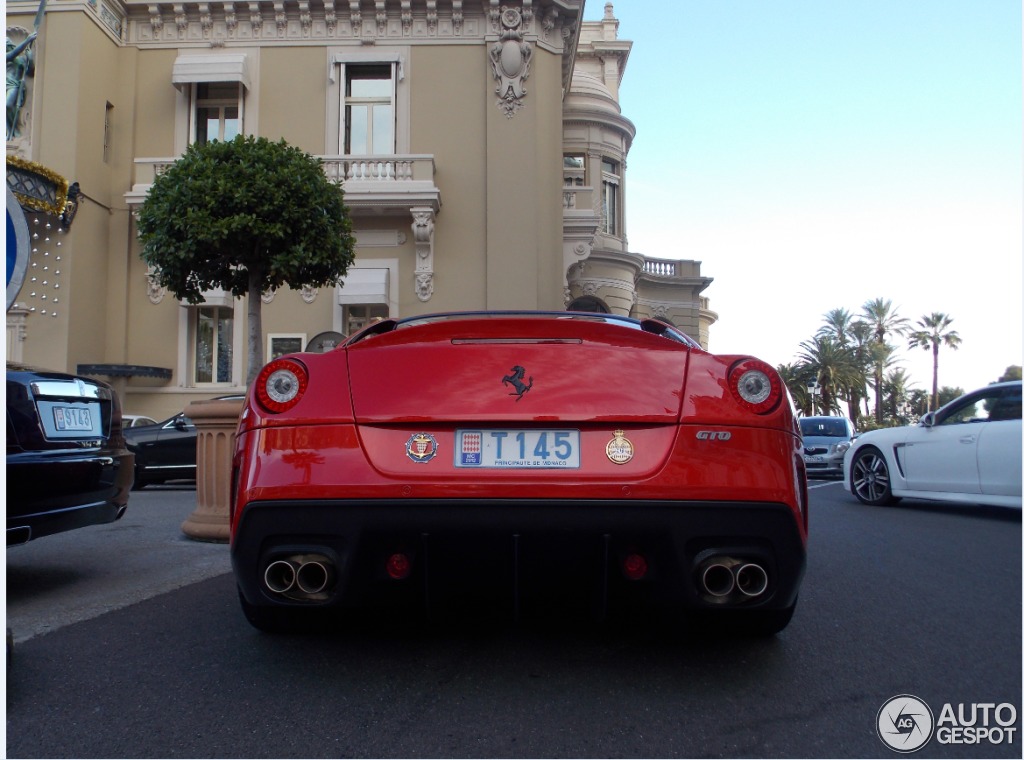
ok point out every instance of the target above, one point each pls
(165, 450)
(67, 464)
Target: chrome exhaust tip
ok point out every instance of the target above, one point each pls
(279, 576)
(751, 579)
(314, 577)
(717, 579)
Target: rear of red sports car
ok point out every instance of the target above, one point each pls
(570, 458)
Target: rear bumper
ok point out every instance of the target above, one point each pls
(832, 466)
(52, 492)
(515, 546)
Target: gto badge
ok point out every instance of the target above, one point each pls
(619, 448)
(713, 435)
(421, 447)
(515, 379)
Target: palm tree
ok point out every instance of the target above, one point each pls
(860, 331)
(933, 333)
(832, 365)
(897, 396)
(881, 316)
(795, 378)
(838, 325)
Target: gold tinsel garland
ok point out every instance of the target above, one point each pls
(54, 206)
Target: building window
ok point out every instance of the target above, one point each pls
(574, 170)
(369, 110)
(358, 316)
(218, 111)
(108, 115)
(279, 344)
(589, 304)
(214, 343)
(610, 197)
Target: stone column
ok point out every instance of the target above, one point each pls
(216, 422)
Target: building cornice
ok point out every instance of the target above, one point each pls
(550, 24)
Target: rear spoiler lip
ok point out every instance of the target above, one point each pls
(653, 326)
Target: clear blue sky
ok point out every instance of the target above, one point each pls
(816, 154)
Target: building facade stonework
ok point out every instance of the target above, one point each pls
(480, 144)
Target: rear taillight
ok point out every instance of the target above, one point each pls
(281, 384)
(755, 385)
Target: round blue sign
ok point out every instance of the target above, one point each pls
(19, 246)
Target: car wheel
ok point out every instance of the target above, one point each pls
(869, 478)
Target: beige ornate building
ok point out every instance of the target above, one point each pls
(480, 144)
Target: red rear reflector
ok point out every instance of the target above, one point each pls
(634, 566)
(398, 567)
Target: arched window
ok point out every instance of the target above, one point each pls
(591, 304)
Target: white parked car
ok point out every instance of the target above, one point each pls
(967, 451)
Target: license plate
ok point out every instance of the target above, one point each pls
(518, 449)
(72, 418)
(813, 459)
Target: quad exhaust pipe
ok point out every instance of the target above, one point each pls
(728, 579)
(302, 576)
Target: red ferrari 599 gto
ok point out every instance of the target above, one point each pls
(560, 456)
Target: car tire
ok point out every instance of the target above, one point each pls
(869, 478)
(139, 482)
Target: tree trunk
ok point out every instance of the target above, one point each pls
(935, 377)
(255, 327)
(878, 396)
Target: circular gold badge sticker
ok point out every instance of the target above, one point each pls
(619, 448)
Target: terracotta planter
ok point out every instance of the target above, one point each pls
(216, 422)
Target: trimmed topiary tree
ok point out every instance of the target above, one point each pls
(246, 216)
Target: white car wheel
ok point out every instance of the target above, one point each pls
(869, 478)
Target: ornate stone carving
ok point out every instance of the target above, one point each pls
(205, 19)
(255, 17)
(309, 293)
(330, 17)
(432, 16)
(424, 286)
(382, 17)
(180, 20)
(423, 235)
(154, 292)
(406, 16)
(305, 17)
(280, 18)
(156, 21)
(548, 23)
(457, 16)
(355, 17)
(268, 296)
(510, 62)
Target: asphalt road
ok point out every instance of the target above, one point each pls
(917, 599)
